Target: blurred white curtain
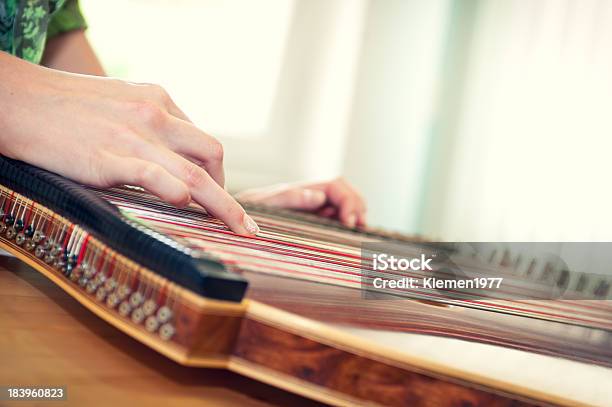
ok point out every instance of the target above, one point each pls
(393, 107)
(533, 142)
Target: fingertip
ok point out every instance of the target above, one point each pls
(361, 219)
(351, 220)
(249, 225)
(176, 193)
(183, 202)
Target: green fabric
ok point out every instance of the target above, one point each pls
(25, 25)
(68, 18)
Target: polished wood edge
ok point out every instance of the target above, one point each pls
(289, 383)
(167, 349)
(327, 334)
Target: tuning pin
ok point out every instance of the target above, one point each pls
(517, 262)
(123, 291)
(91, 287)
(46, 244)
(49, 258)
(506, 260)
(39, 252)
(29, 231)
(100, 278)
(149, 307)
(57, 250)
(10, 232)
(20, 238)
(602, 289)
(563, 278)
(531, 268)
(581, 283)
(112, 300)
(125, 308)
(59, 263)
(151, 324)
(76, 274)
(29, 245)
(88, 271)
(83, 281)
(38, 236)
(136, 299)
(110, 284)
(101, 294)
(164, 314)
(138, 316)
(166, 332)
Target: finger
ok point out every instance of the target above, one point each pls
(348, 216)
(158, 94)
(175, 111)
(205, 191)
(362, 218)
(162, 115)
(346, 201)
(186, 139)
(298, 198)
(150, 176)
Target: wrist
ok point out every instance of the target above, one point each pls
(19, 88)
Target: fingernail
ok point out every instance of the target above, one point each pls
(351, 220)
(250, 225)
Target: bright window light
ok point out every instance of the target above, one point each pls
(219, 59)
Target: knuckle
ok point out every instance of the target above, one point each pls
(194, 176)
(159, 93)
(150, 113)
(149, 173)
(216, 151)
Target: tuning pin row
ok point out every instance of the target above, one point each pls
(133, 305)
(553, 272)
(105, 289)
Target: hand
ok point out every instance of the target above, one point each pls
(335, 198)
(105, 132)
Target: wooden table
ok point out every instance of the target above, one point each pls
(48, 339)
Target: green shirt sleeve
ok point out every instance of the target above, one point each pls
(67, 18)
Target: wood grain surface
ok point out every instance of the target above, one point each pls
(47, 338)
(357, 376)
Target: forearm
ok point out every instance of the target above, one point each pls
(72, 52)
(19, 78)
